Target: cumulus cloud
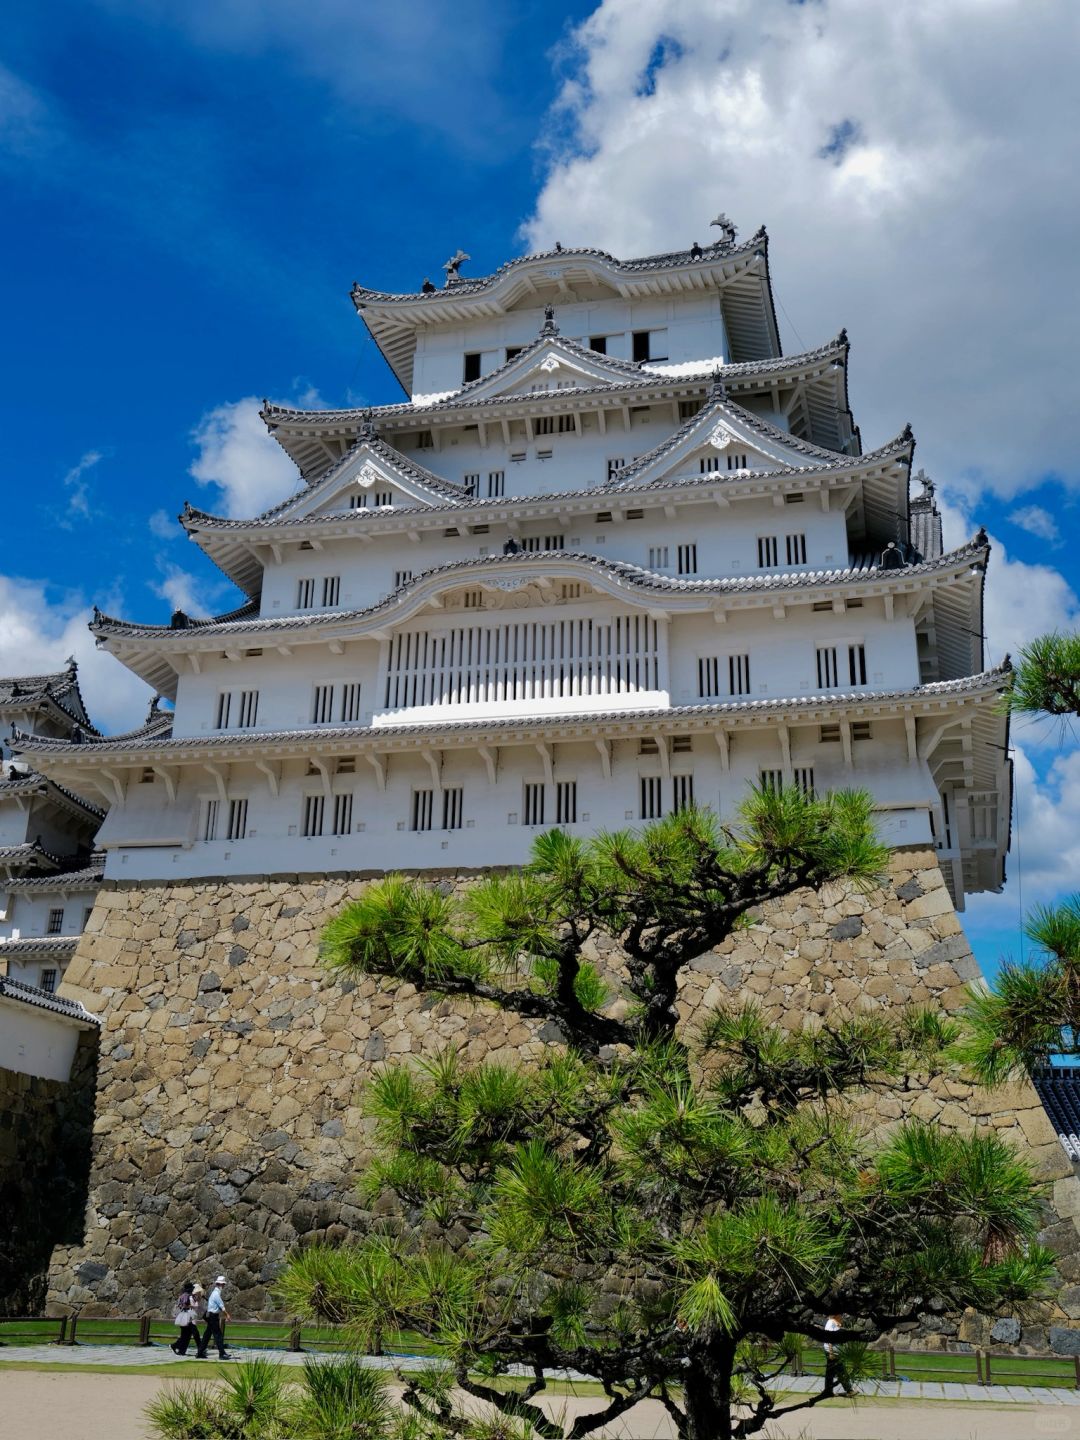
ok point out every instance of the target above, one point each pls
(238, 455)
(913, 164)
(23, 116)
(182, 590)
(39, 631)
(1036, 521)
(163, 525)
(78, 488)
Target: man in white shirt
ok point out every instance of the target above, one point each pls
(216, 1315)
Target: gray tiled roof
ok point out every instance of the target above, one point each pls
(644, 379)
(635, 575)
(32, 852)
(60, 688)
(34, 945)
(34, 784)
(475, 285)
(988, 680)
(45, 1000)
(88, 874)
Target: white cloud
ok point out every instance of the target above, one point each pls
(237, 454)
(183, 591)
(23, 118)
(163, 525)
(75, 482)
(38, 633)
(936, 225)
(1036, 521)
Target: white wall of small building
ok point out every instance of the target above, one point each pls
(35, 1042)
(26, 913)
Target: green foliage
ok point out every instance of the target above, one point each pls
(189, 1412)
(1046, 677)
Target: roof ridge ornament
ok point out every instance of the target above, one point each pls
(367, 425)
(453, 266)
(549, 326)
(718, 388)
(727, 228)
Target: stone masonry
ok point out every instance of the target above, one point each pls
(229, 1120)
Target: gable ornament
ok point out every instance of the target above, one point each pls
(720, 437)
(550, 364)
(367, 476)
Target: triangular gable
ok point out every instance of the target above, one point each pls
(369, 468)
(550, 363)
(719, 430)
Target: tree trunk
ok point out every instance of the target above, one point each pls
(707, 1392)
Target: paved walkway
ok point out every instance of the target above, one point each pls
(871, 1390)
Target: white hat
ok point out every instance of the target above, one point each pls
(221, 1280)
(197, 1290)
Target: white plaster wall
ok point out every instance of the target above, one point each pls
(693, 322)
(27, 912)
(34, 1042)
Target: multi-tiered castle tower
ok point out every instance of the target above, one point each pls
(614, 554)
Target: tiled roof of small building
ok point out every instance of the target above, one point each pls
(81, 874)
(32, 852)
(45, 1000)
(865, 567)
(60, 688)
(34, 946)
(988, 681)
(1058, 1087)
(34, 784)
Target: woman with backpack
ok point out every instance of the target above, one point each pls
(186, 1318)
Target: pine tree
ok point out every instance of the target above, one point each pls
(670, 1206)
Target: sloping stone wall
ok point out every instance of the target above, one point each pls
(229, 1122)
(45, 1130)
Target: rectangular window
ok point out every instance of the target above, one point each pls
(860, 730)
(614, 465)
(210, 818)
(650, 345)
(827, 673)
(238, 810)
(512, 352)
(350, 702)
(471, 484)
(382, 498)
(658, 557)
(708, 463)
(536, 543)
(857, 664)
(641, 345)
(470, 369)
(738, 674)
(248, 713)
(682, 744)
(452, 805)
(314, 809)
(322, 707)
(401, 577)
(570, 590)
(496, 484)
(358, 502)
(772, 781)
(687, 559)
(534, 802)
(708, 676)
(305, 593)
(331, 589)
(651, 806)
(804, 779)
(648, 746)
(566, 802)
(829, 734)
(767, 551)
(473, 599)
(689, 408)
(737, 462)
(224, 708)
(566, 424)
(422, 804)
(544, 425)
(48, 980)
(343, 814)
(598, 343)
(56, 922)
(795, 549)
(682, 793)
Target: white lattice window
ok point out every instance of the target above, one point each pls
(343, 814)
(687, 559)
(471, 484)
(423, 805)
(772, 781)
(305, 593)
(828, 674)
(496, 484)
(523, 661)
(248, 710)
(350, 702)
(47, 981)
(322, 705)
(238, 812)
(682, 793)
(358, 501)
(223, 710)
(401, 577)
(533, 803)
(382, 498)
(708, 463)
(566, 802)
(708, 676)
(453, 798)
(651, 797)
(56, 922)
(736, 462)
(614, 465)
(795, 549)
(803, 776)
(767, 552)
(658, 557)
(861, 730)
(689, 408)
(313, 813)
(331, 590)
(473, 599)
(738, 674)
(857, 664)
(571, 590)
(536, 543)
(209, 819)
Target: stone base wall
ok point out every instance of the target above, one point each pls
(229, 1122)
(45, 1130)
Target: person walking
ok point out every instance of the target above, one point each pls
(185, 1318)
(216, 1315)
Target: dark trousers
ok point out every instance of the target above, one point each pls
(212, 1332)
(184, 1336)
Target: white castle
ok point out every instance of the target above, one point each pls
(615, 555)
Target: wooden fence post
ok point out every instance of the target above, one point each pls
(63, 1331)
(144, 1330)
(1076, 1367)
(989, 1380)
(74, 1327)
(294, 1335)
(978, 1367)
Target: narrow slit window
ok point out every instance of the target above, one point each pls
(772, 781)
(534, 802)
(401, 577)
(238, 812)
(738, 674)
(314, 809)
(343, 814)
(358, 502)
(56, 922)
(708, 463)
(614, 465)
(249, 709)
(322, 708)
(350, 702)
(827, 671)
(708, 672)
(423, 802)
(804, 779)
(452, 807)
(767, 552)
(682, 793)
(658, 557)
(496, 484)
(223, 711)
(857, 664)
(566, 802)
(48, 980)
(471, 484)
(796, 549)
(331, 590)
(305, 593)
(688, 559)
(737, 462)
(382, 498)
(651, 803)
(210, 820)
(470, 369)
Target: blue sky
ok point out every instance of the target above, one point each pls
(190, 191)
